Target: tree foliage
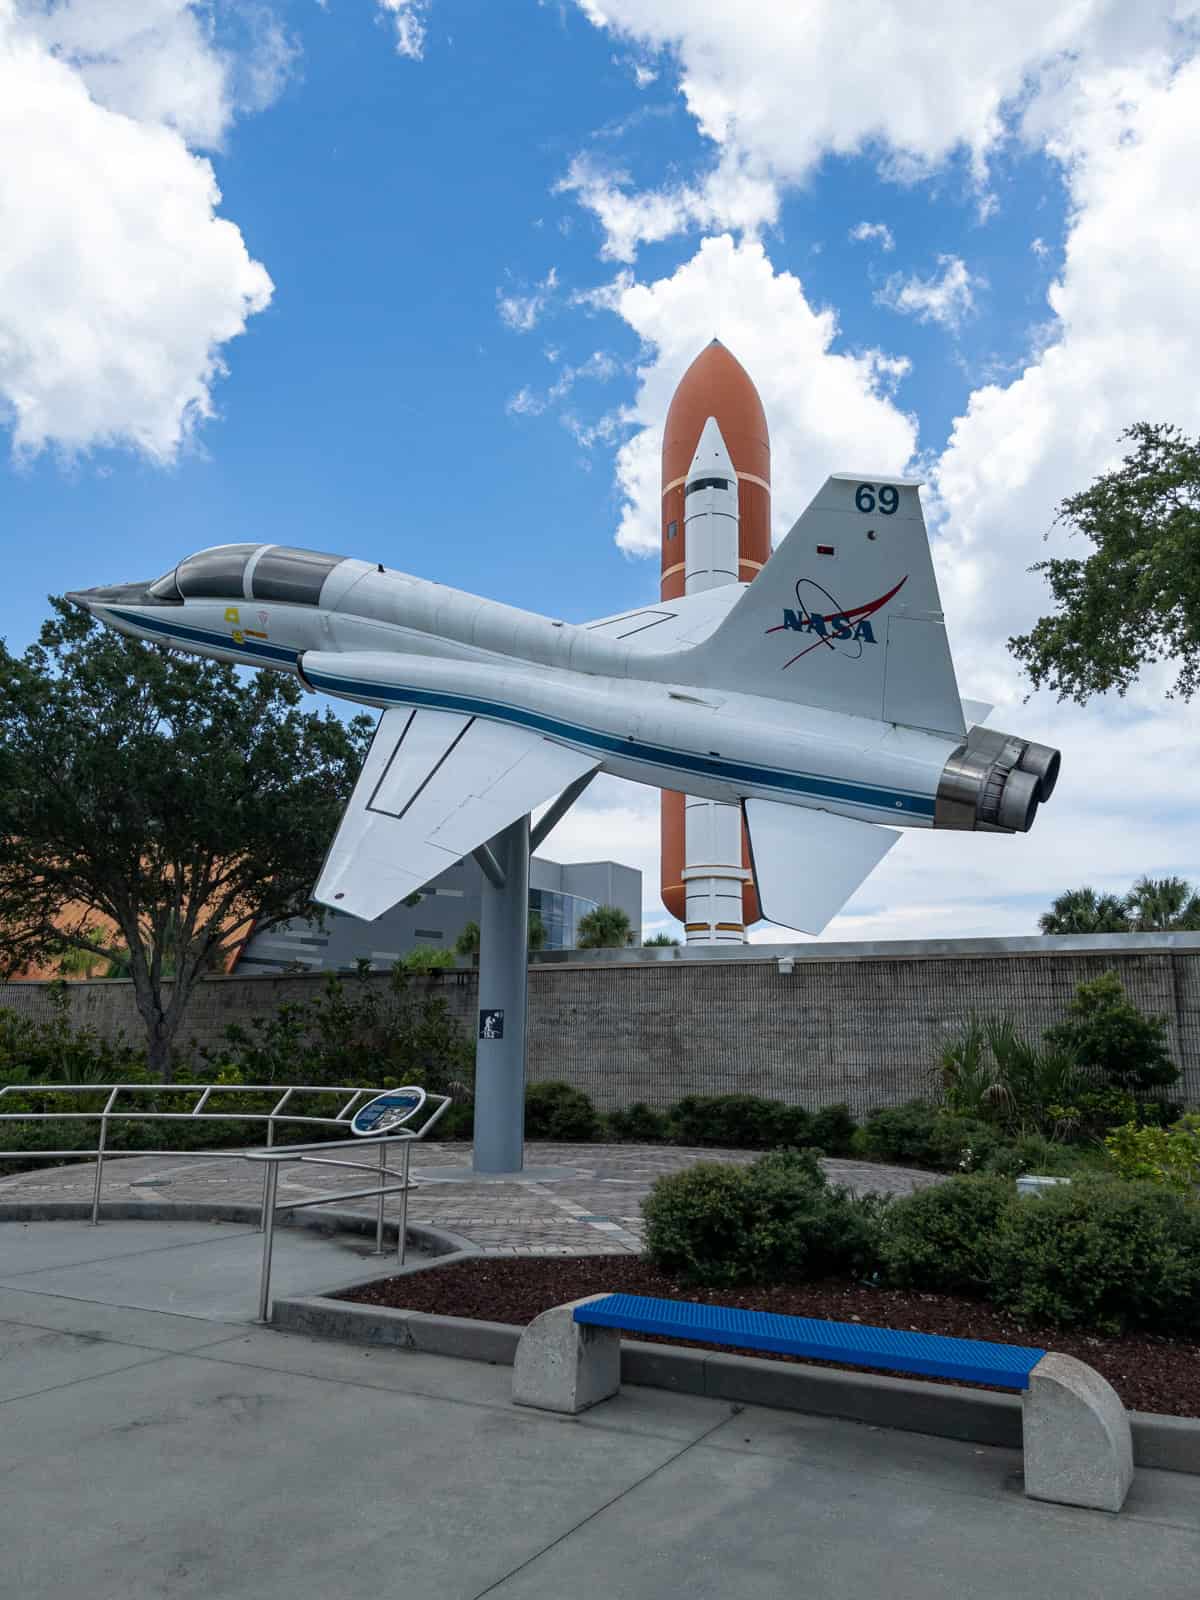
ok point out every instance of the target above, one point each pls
(1153, 905)
(170, 796)
(1136, 599)
(605, 928)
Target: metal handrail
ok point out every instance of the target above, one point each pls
(277, 1115)
(406, 1137)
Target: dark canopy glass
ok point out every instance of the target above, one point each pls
(217, 574)
(294, 577)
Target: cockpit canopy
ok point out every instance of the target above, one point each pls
(270, 572)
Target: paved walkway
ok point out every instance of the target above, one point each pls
(592, 1208)
(149, 1455)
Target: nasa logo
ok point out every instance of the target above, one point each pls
(837, 626)
(842, 629)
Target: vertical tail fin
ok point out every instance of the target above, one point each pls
(845, 615)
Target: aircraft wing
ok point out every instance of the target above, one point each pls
(808, 863)
(435, 786)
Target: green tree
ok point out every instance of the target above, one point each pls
(1106, 1034)
(1085, 911)
(660, 939)
(1136, 599)
(605, 928)
(467, 943)
(183, 802)
(1163, 905)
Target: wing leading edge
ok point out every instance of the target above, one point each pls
(808, 863)
(435, 786)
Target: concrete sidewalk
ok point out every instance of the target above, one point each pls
(148, 1454)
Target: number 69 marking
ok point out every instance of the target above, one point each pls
(889, 498)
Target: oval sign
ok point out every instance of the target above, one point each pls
(387, 1111)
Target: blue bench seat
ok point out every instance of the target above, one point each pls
(856, 1344)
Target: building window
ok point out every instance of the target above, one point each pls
(427, 933)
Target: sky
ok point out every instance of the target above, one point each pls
(414, 280)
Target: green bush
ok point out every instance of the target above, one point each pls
(1169, 1156)
(739, 1121)
(1109, 1037)
(639, 1124)
(428, 958)
(1107, 1255)
(832, 1130)
(1032, 1152)
(456, 1122)
(900, 1133)
(357, 1030)
(774, 1221)
(962, 1144)
(943, 1238)
(559, 1112)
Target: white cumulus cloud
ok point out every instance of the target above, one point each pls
(945, 299)
(408, 20)
(874, 232)
(902, 79)
(522, 312)
(119, 283)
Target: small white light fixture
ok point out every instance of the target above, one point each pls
(786, 963)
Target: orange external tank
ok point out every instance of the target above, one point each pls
(715, 385)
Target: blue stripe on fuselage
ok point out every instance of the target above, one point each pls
(890, 801)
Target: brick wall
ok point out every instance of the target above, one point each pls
(860, 1027)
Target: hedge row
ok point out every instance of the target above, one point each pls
(1102, 1254)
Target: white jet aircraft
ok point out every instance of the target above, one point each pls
(821, 697)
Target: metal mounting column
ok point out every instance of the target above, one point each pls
(500, 1026)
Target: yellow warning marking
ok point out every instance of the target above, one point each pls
(231, 614)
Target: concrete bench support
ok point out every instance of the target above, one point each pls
(1078, 1445)
(562, 1366)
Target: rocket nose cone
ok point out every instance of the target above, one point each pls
(712, 458)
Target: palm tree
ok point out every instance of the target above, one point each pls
(1085, 911)
(660, 939)
(1163, 905)
(605, 928)
(467, 943)
(537, 931)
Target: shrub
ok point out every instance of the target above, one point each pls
(428, 958)
(962, 1144)
(1110, 1037)
(900, 1133)
(1106, 1255)
(988, 1072)
(832, 1130)
(742, 1121)
(1032, 1152)
(560, 1112)
(1168, 1156)
(639, 1124)
(943, 1238)
(776, 1220)
(457, 1121)
(356, 1030)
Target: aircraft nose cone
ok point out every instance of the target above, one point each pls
(78, 597)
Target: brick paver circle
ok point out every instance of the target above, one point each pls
(595, 1210)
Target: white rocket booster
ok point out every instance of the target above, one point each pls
(713, 873)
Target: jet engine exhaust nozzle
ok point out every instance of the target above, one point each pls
(995, 782)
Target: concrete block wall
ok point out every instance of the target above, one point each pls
(861, 1025)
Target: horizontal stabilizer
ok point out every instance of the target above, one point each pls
(435, 786)
(845, 615)
(808, 863)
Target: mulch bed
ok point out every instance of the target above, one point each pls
(1149, 1372)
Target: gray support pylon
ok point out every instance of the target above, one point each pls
(500, 1024)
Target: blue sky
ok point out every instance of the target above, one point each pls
(495, 235)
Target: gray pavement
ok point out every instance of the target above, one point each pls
(153, 1452)
(201, 1269)
(592, 1207)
